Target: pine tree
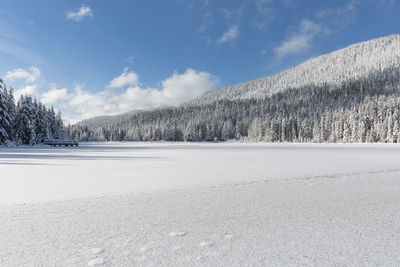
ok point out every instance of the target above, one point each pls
(59, 126)
(51, 124)
(5, 118)
(24, 121)
(11, 108)
(40, 121)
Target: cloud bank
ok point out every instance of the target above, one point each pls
(126, 78)
(79, 103)
(32, 74)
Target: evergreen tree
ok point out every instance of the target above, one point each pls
(28, 122)
(11, 109)
(5, 118)
(365, 109)
(25, 121)
(40, 122)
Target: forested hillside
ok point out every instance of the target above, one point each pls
(352, 95)
(28, 122)
(353, 62)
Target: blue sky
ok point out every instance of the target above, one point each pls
(100, 57)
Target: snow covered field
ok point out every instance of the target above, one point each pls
(228, 204)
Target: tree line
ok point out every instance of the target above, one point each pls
(363, 110)
(28, 121)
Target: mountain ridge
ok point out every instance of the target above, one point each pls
(350, 95)
(305, 75)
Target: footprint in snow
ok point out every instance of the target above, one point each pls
(97, 251)
(127, 243)
(141, 258)
(72, 262)
(205, 244)
(173, 234)
(126, 253)
(228, 236)
(200, 258)
(176, 248)
(144, 249)
(96, 262)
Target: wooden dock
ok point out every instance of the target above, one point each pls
(58, 142)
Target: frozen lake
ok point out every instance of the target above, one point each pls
(42, 173)
(200, 205)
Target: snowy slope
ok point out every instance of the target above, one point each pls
(353, 62)
(100, 121)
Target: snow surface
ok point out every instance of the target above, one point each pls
(200, 204)
(95, 169)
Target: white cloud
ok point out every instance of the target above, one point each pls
(54, 95)
(264, 7)
(299, 41)
(83, 12)
(265, 14)
(207, 22)
(131, 59)
(81, 104)
(233, 14)
(26, 90)
(230, 35)
(125, 79)
(327, 21)
(338, 18)
(28, 76)
(175, 89)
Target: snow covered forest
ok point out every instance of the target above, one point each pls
(363, 110)
(28, 122)
(351, 95)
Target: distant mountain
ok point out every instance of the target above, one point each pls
(100, 121)
(353, 62)
(351, 95)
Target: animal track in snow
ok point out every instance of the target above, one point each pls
(72, 262)
(96, 262)
(97, 251)
(199, 258)
(205, 244)
(127, 243)
(127, 253)
(176, 248)
(141, 258)
(173, 234)
(229, 236)
(144, 249)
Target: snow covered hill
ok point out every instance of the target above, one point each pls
(99, 121)
(351, 95)
(353, 62)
